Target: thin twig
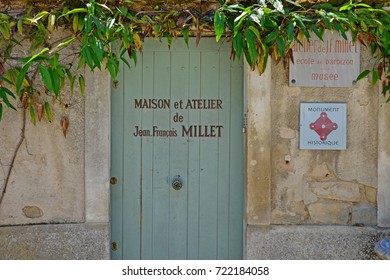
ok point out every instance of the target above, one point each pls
(22, 137)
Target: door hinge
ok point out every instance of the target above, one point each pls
(245, 123)
(114, 246)
(113, 181)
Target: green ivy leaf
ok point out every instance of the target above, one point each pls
(251, 44)
(87, 55)
(346, 7)
(22, 76)
(186, 34)
(82, 84)
(238, 43)
(255, 31)
(282, 45)
(386, 39)
(219, 24)
(340, 29)
(5, 30)
(326, 19)
(238, 22)
(74, 11)
(62, 45)
(33, 115)
(295, 4)
(375, 77)
(105, 7)
(3, 95)
(261, 15)
(46, 77)
(113, 66)
(271, 38)
(290, 31)
(40, 15)
(316, 31)
(75, 23)
(263, 58)
(278, 5)
(7, 80)
(48, 111)
(37, 57)
(98, 50)
(258, 17)
(363, 74)
(109, 27)
(56, 81)
(51, 22)
(20, 27)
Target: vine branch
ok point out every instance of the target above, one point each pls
(20, 142)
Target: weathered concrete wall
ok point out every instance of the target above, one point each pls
(57, 200)
(48, 171)
(81, 235)
(258, 147)
(59, 185)
(324, 187)
(286, 185)
(315, 204)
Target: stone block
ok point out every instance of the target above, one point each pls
(329, 212)
(343, 191)
(371, 194)
(322, 172)
(364, 214)
(308, 196)
(287, 133)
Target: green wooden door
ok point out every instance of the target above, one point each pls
(177, 120)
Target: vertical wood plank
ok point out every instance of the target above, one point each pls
(193, 161)
(178, 160)
(147, 162)
(208, 161)
(117, 164)
(131, 163)
(224, 158)
(161, 187)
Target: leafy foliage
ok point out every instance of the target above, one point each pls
(270, 28)
(257, 30)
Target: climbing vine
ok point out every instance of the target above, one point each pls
(70, 35)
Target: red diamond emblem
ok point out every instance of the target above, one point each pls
(323, 126)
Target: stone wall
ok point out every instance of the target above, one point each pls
(48, 171)
(311, 186)
(57, 201)
(315, 204)
(324, 186)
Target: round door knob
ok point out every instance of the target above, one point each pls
(177, 183)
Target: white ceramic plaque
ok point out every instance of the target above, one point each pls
(323, 126)
(333, 62)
